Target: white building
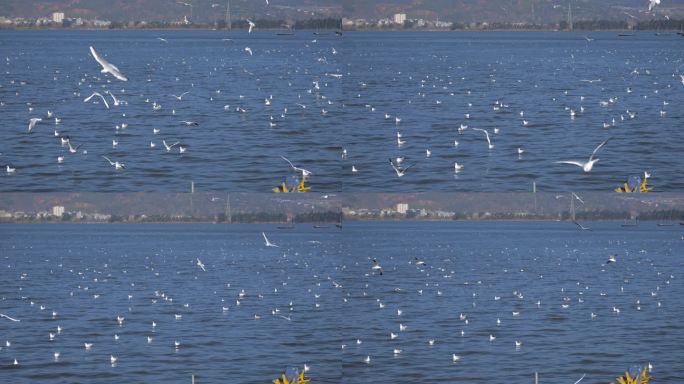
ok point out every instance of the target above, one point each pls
(402, 208)
(58, 17)
(58, 210)
(399, 18)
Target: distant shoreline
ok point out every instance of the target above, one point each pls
(675, 223)
(343, 31)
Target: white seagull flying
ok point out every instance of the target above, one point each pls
(115, 164)
(252, 25)
(267, 242)
(399, 169)
(588, 165)
(107, 67)
(32, 123)
(87, 99)
(302, 170)
(489, 142)
(652, 4)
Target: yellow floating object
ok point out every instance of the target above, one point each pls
(642, 378)
(299, 379)
(301, 187)
(643, 188)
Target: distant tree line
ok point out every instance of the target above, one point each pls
(325, 24)
(660, 24)
(580, 25)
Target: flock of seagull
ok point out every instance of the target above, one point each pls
(397, 293)
(306, 95)
(436, 89)
(421, 108)
(451, 296)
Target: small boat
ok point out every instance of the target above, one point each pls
(625, 34)
(290, 225)
(321, 226)
(634, 223)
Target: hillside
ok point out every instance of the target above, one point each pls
(537, 11)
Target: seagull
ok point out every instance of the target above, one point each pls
(419, 261)
(455, 358)
(10, 169)
(251, 25)
(489, 142)
(107, 67)
(99, 95)
(115, 164)
(586, 166)
(9, 318)
(169, 147)
(73, 149)
(88, 346)
(180, 98)
(652, 4)
(162, 39)
(200, 264)
(458, 167)
(612, 259)
(268, 243)
(399, 169)
(116, 101)
(376, 266)
(32, 123)
(583, 228)
(190, 123)
(249, 50)
(113, 359)
(302, 170)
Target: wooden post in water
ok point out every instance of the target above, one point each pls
(536, 378)
(193, 379)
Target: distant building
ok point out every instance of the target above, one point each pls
(58, 211)
(402, 208)
(399, 18)
(58, 17)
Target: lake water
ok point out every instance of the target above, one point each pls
(429, 80)
(484, 271)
